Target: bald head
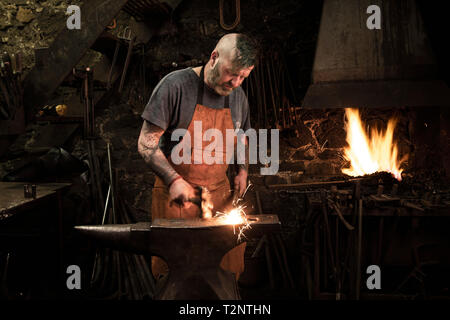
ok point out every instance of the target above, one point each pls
(226, 47)
(237, 48)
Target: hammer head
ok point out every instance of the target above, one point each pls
(203, 201)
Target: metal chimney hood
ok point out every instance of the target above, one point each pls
(389, 67)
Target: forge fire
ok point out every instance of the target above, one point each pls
(371, 153)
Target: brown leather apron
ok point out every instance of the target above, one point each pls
(212, 176)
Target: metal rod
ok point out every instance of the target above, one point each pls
(103, 222)
(350, 242)
(113, 63)
(6, 96)
(113, 206)
(278, 256)
(127, 62)
(269, 264)
(96, 177)
(92, 176)
(134, 290)
(271, 87)
(325, 260)
(259, 247)
(119, 274)
(143, 281)
(148, 275)
(4, 279)
(306, 184)
(380, 240)
(316, 291)
(106, 204)
(258, 202)
(328, 231)
(286, 264)
(338, 264)
(359, 247)
(308, 277)
(138, 274)
(277, 87)
(124, 285)
(263, 94)
(90, 92)
(254, 101)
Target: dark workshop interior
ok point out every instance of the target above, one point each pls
(70, 117)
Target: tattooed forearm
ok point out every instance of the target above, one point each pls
(149, 150)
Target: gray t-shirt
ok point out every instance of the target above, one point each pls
(172, 104)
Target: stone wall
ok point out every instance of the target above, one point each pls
(26, 25)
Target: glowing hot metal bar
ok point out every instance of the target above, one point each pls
(235, 217)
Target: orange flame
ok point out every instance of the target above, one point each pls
(366, 155)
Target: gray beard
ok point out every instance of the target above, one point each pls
(212, 82)
(213, 76)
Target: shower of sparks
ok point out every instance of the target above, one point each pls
(235, 216)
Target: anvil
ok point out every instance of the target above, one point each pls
(193, 250)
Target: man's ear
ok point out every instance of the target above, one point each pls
(214, 58)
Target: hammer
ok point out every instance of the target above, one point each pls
(197, 201)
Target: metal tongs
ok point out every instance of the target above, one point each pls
(236, 198)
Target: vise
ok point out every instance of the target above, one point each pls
(193, 250)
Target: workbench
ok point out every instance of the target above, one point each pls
(377, 243)
(12, 198)
(26, 221)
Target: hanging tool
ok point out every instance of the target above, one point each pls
(112, 25)
(87, 97)
(125, 34)
(237, 18)
(8, 87)
(127, 63)
(128, 37)
(113, 63)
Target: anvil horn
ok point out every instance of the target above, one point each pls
(117, 236)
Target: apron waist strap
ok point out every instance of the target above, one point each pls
(211, 187)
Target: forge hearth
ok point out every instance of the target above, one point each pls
(421, 136)
(387, 72)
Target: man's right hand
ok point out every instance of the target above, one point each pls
(181, 191)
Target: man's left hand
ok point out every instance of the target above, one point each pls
(240, 182)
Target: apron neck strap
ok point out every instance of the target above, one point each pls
(201, 88)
